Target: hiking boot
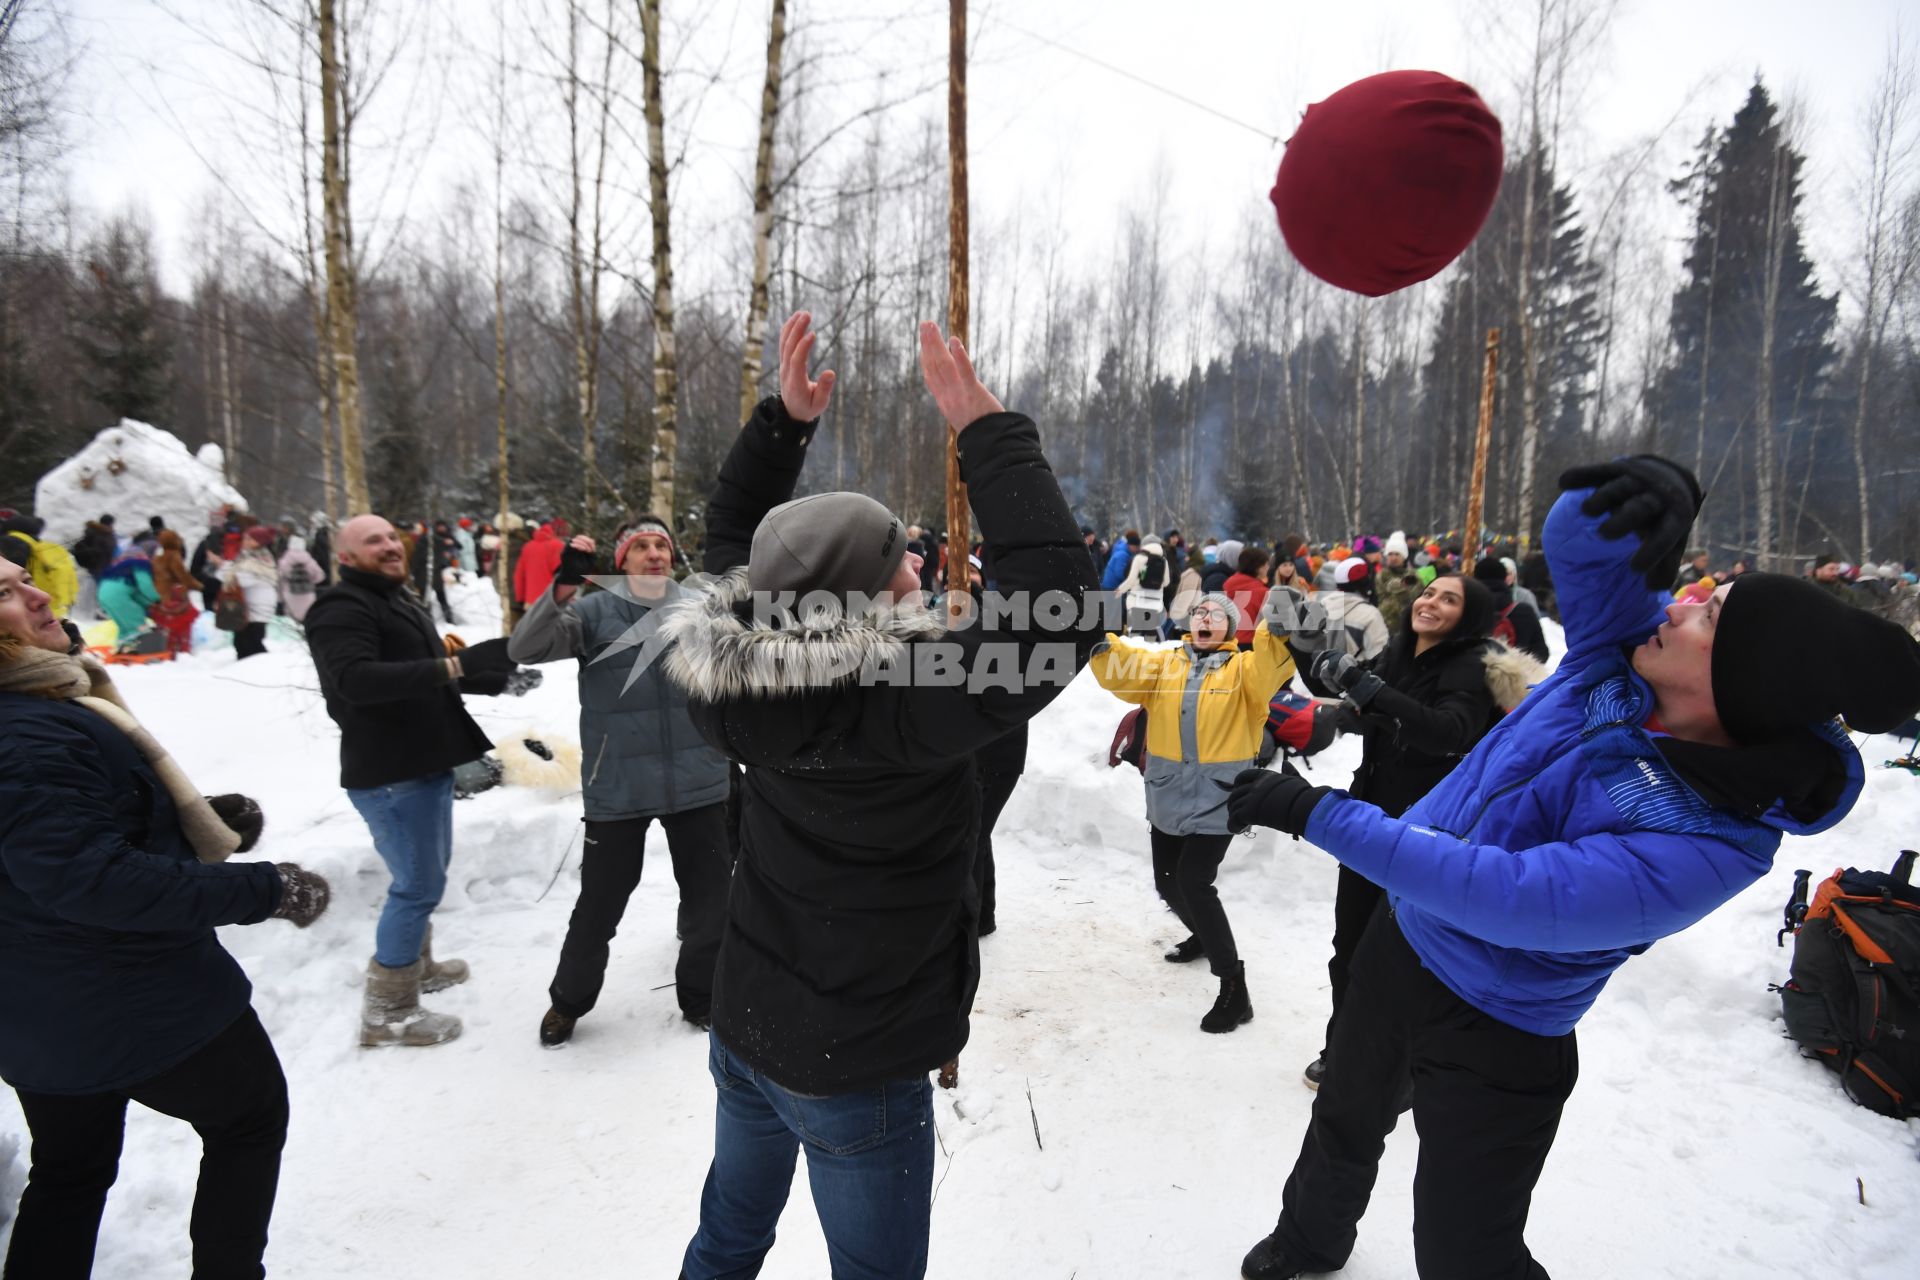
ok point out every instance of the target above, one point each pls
(391, 1012)
(439, 974)
(1233, 1007)
(1316, 1072)
(1187, 952)
(1269, 1260)
(556, 1029)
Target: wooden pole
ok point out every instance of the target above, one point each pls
(959, 527)
(1483, 438)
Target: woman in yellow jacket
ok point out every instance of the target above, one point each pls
(1206, 703)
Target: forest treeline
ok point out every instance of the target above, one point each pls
(1239, 397)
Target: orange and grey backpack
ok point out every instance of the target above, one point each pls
(1853, 999)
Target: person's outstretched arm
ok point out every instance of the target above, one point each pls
(1613, 542)
(764, 464)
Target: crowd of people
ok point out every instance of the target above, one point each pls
(1508, 840)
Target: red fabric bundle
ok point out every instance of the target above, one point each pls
(1388, 180)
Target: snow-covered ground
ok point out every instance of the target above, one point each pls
(1698, 1143)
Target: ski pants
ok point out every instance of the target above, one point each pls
(231, 1092)
(1183, 872)
(609, 873)
(1486, 1104)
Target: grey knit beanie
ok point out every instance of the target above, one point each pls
(841, 543)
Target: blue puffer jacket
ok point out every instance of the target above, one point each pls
(1119, 560)
(1564, 842)
(110, 972)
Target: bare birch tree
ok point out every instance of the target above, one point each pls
(757, 297)
(342, 287)
(1890, 151)
(666, 374)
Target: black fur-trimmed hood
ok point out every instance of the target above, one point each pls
(719, 651)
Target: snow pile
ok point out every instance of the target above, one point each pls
(1096, 1131)
(133, 472)
(476, 606)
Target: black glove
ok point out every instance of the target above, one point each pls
(75, 642)
(489, 657)
(1648, 495)
(1261, 797)
(1335, 669)
(303, 894)
(575, 565)
(241, 814)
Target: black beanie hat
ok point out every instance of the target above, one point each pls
(1491, 570)
(1863, 668)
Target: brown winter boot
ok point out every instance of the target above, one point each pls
(439, 974)
(391, 1012)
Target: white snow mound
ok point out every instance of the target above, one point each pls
(134, 471)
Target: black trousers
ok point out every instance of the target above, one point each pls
(1354, 900)
(250, 639)
(609, 873)
(234, 1096)
(1183, 872)
(1486, 1103)
(995, 790)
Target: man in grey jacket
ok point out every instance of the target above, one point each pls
(641, 759)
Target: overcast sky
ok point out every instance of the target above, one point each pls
(1046, 125)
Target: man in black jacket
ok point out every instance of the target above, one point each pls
(850, 956)
(391, 688)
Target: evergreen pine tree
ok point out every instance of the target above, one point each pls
(125, 349)
(1750, 332)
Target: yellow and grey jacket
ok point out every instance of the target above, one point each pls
(1205, 712)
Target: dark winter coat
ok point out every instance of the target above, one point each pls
(640, 755)
(383, 670)
(1214, 577)
(94, 551)
(1528, 638)
(110, 972)
(1433, 710)
(851, 952)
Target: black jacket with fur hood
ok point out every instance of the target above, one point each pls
(851, 952)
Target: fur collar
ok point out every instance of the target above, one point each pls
(1510, 673)
(718, 650)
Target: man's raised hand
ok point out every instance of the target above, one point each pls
(950, 377)
(804, 398)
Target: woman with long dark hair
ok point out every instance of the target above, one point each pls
(1433, 693)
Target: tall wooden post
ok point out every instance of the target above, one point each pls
(959, 534)
(959, 528)
(1482, 440)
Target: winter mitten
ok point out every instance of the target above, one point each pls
(489, 657)
(1648, 495)
(575, 565)
(1261, 797)
(303, 894)
(242, 815)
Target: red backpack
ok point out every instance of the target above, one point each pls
(1503, 629)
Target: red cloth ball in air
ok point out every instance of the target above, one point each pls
(1387, 181)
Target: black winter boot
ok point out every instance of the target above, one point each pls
(1269, 1260)
(1233, 1007)
(1187, 952)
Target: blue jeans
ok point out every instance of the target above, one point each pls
(412, 825)
(869, 1162)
